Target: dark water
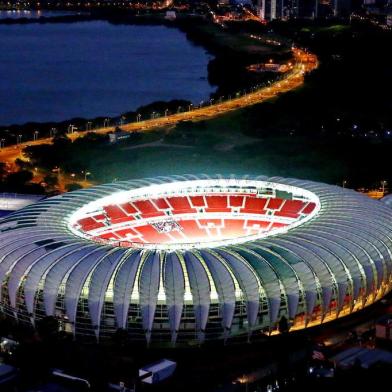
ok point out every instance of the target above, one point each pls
(54, 72)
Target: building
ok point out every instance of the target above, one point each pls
(384, 328)
(170, 15)
(118, 135)
(193, 258)
(361, 356)
(286, 9)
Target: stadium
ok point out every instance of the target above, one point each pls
(185, 259)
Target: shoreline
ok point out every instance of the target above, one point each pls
(305, 63)
(127, 19)
(191, 26)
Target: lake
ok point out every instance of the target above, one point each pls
(54, 72)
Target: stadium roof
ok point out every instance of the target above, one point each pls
(329, 255)
(387, 200)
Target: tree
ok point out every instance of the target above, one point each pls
(73, 186)
(51, 180)
(3, 170)
(19, 179)
(23, 165)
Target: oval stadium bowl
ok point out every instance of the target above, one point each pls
(183, 259)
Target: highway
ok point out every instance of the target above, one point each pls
(304, 62)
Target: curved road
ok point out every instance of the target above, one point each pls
(304, 62)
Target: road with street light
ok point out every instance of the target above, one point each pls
(304, 62)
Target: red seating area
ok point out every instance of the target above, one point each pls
(110, 236)
(251, 224)
(126, 232)
(236, 201)
(178, 236)
(217, 204)
(210, 222)
(277, 225)
(291, 208)
(128, 208)
(147, 209)
(180, 205)
(148, 234)
(88, 224)
(197, 201)
(194, 229)
(162, 204)
(116, 215)
(275, 204)
(114, 212)
(232, 227)
(254, 205)
(210, 203)
(190, 230)
(309, 208)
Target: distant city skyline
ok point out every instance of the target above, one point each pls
(285, 9)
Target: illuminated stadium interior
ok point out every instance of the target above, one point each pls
(195, 213)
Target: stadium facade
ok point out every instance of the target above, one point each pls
(183, 259)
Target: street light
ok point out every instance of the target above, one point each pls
(88, 125)
(52, 132)
(344, 183)
(35, 135)
(2, 143)
(18, 139)
(57, 170)
(71, 128)
(86, 173)
(166, 112)
(138, 117)
(106, 122)
(383, 183)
